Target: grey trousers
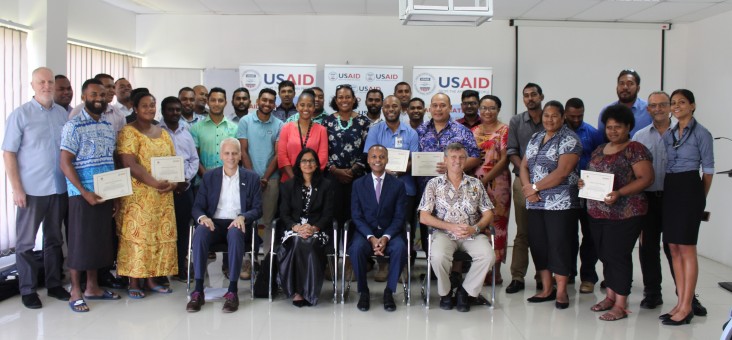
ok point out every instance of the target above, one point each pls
(50, 211)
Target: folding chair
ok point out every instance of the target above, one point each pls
(406, 284)
(426, 282)
(331, 257)
(223, 247)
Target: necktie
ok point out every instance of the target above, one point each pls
(378, 189)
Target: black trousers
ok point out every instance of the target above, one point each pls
(649, 250)
(587, 252)
(550, 239)
(614, 241)
(183, 206)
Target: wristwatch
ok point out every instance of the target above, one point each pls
(533, 186)
(477, 228)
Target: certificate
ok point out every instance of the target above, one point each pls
(168, 168)
(113, 184)
(425, 163)
(398, 160)
(597, 185)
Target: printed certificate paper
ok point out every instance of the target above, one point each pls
(425, 163)
(597, 185)
(168, 168)
(113, 184)
(398, 160)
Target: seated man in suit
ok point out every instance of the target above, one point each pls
(228, 199)
(457, 206)
(378, 204)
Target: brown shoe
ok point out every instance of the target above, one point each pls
(231, 304)
(587, 287)
(197, 300)
(246, 271)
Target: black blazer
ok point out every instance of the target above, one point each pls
(321, 204)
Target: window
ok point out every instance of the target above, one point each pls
(86, 62)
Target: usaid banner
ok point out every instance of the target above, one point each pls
(255, 77)
(362, 79)
(431, 80)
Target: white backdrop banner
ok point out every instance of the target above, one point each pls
(362, 79)
(255, 77)
(431, 80)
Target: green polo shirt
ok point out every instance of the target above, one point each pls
(208, 136)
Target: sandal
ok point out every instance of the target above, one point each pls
(106, 295)
(603, 305)
(78, 306)
(161, 289)
(610, 316)
(135, 293)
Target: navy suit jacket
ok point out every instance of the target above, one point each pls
(250, 194)
(383, 218)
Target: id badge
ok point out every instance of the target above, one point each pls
(398, 142)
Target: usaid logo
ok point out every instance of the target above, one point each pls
(370, 76)
(332, 76)
(250, 79)
(424, 83)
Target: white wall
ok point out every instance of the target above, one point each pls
(708, 75)
(100, 23)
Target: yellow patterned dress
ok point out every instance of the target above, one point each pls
(146, 222)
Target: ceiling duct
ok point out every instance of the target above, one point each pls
(447, 13)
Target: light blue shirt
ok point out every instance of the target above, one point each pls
(184, 147)
(261, 137)
(93, 143)
(692, 150)
(640, 112)
(404, 138)
(653, 140)
(33, 133)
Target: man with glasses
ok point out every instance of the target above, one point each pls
(627, 88)
(470, 99)
(659, 110)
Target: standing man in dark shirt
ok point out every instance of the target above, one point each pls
(520, 129)
(287, 108)
(240, 100)
(469, 105)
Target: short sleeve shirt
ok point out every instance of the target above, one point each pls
(208, 136)
(405, 138)
(261, 138)
(621, 165)
(33, 133)
(543, 159)
(92, 143)
(462, 205)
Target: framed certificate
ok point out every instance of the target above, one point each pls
(398, 160)
(168, 168)
(425, 163)
(597, 185)
(113, 184)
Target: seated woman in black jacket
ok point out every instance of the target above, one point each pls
(306, 210)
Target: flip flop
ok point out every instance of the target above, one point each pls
(78, 306)
(161, 289)
(106, 295)
(135, 294)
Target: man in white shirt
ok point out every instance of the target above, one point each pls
(228, 199)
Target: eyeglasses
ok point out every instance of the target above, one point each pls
(488, 108)
(660, 105)
(308, 161)
(342, 86)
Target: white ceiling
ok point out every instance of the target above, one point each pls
(580, 10)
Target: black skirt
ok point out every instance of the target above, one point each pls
(91, 232)
(301, 265)
(683, 206)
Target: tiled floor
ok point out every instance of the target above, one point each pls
(164, 317)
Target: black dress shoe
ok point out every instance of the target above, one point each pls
(463, 300)
(537, 299)
(651, 301)
(446, 301)
(664, 316)
(697, 307)
(109, 281)
(562, 305)
(31, 301)
(684, 321)
(514, 287)
(59, 293)
(389, 304)
(364, 301)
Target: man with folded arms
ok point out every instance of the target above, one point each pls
(457, 206)
(229, 197)
(31, 155)
(87, 148)
(378, 204)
